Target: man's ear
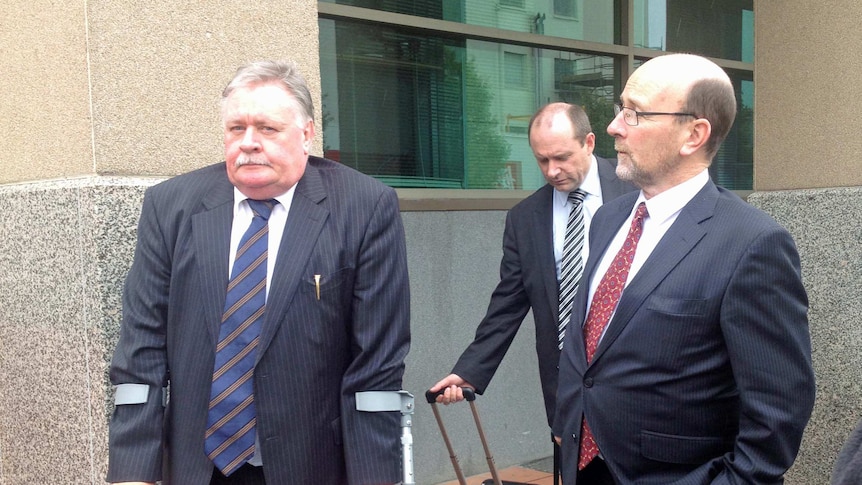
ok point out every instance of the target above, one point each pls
(698, 134)
(590, 142)
(308, 136)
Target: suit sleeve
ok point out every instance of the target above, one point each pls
(135, 434)
(506, 311)
(381, 340)
(848, 466)
(765, 324)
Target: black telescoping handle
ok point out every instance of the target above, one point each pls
(469, 395)
(431, 397)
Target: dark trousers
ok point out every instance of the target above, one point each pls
(596, 473)
(244, 475)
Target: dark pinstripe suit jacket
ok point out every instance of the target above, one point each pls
(704, 373)
(314, 354)
(528, 279)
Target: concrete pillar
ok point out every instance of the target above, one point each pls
(808, 175)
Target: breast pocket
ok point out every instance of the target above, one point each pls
(326, 286)
(677, 306)
(319, 314)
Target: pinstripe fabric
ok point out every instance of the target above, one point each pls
(706, 359)
(230, 435)
(572, 264)
(314, 354)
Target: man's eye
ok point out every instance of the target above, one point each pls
(268, 129)
(237, 129)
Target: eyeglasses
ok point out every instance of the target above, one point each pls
(631, 116)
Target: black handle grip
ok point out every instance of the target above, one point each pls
(431, 397)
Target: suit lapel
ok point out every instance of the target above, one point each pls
(304, 223)
(602, 231)
(542, 234)
(677, 242)
(211, 233)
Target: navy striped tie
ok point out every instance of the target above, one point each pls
(231, 420)
(572, 265)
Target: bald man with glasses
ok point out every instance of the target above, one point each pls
(693, 365)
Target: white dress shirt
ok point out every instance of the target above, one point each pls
(562, 207)
(663, 209)
(242, 216)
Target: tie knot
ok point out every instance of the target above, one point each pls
(262, 208)
(577, 196)
(641, 211)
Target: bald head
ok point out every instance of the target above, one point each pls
(702, 87)
(553, 113)
(681, 70)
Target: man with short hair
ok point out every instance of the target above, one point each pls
(562, 142)
(694, 362)
(263, 360)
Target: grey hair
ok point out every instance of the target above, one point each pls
(284, 72)
(713, 99)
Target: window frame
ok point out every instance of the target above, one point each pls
(625, 55)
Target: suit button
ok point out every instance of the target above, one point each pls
(588, 382)
(575, 436)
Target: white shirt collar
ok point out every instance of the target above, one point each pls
(283, 199)
(671, 201)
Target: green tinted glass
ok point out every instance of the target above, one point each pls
(420, 111)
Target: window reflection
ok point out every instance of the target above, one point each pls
(722, 29)
(434, 112)
(418, 110)
(591, 20)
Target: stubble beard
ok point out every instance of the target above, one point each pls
(629, 171)
(634, 172)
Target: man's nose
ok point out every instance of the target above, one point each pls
(249, 140)
(617, 126)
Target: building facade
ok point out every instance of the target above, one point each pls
(103, 99)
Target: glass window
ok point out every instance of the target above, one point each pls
(512, 3)
(591, 20)
(420, 111)
(515, 75)
(435, 104)
(392, 104)
(732, 166)
(565, 8)
(721, 29)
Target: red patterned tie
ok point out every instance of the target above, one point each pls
(604, 303)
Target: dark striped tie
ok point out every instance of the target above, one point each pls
(231, 420)
(572, 264)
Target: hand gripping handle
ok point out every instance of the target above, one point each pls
(431, 397)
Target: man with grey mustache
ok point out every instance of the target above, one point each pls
(262, 361)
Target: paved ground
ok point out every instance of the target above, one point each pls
(539, 472)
